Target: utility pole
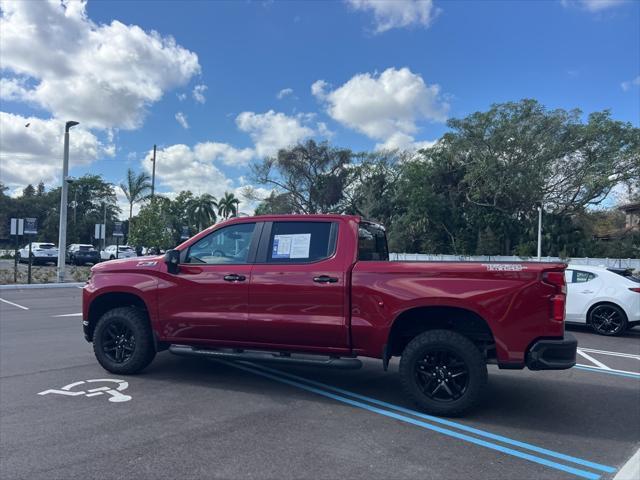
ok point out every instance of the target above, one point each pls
(153, 174)
(540, 231)
(62, 232)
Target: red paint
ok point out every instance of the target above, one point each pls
(280, 307)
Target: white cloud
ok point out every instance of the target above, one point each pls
(223, 152)
(284, 92)
(180, 167)
(103, 75)
(182, 96)
(198, 93)
(318, 89)
(390, 14)
(182, 120)
(34, 153)
(385, 107)
(626, 86)
(271, 131)
(594, 6)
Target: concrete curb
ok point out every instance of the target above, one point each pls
(21, 286)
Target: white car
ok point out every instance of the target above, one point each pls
(124, 251)
(41, 252)
(606, 300)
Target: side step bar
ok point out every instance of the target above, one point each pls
(281, 358)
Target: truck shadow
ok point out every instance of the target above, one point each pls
(537, 405)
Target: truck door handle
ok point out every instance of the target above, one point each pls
(325, 279)
(587, 291)
(234, 278)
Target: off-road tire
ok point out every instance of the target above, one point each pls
(459, 346)
(143, 350)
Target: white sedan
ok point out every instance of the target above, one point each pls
(608, 301)
(41, 252)
(124, 251)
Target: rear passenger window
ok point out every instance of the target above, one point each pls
(372, 242)
(301, 242)
(581, 277)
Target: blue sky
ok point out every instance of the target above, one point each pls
(392, 72)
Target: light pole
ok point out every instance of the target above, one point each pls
(153, 175)
(62, 238)
(540, 231)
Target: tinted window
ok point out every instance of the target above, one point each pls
(300, 242)
(45, 246)
(372, 242)
(229, 245)
(85, 248)
(581, 277)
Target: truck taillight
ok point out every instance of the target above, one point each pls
(637, 290)
(557, 301)
(556, 279)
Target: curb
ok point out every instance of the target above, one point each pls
(21, 286)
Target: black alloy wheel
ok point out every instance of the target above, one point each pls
(442, 375)
(608, 320)
(118, 342)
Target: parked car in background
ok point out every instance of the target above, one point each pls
(124, 251)
(41, 252)
(606, 300)
(82, 253)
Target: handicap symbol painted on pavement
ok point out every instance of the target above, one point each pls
(113, 391)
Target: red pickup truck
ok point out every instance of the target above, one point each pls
(320, 290)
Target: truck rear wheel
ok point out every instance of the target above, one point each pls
(123, 341)
(443, 372)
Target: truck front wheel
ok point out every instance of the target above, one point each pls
(123, 341)
(443, 372)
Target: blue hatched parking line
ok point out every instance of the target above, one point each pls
(279, 377)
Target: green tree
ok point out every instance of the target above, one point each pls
(153, 225)
(202, 211)
(135, 189)
(228, 205)
(313, 175)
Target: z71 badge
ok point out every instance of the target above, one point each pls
(504, 267)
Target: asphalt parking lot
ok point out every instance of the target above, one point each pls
(200, 418)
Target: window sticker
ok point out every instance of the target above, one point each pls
(291, 246)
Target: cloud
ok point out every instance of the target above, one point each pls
(593, 6)
(198, 93)
(318, 89)
(34, 153)
(182, 120)
(389, 14)
(284, 92)
(384, 107)
(271, 131)
(627, 85)
(103, 75)
(223, 152)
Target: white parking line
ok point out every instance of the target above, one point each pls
(613, 354)
(631, 469)
(592, 360)
(14, 304)
(69, 315)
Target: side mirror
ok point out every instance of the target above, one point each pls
(172, 259)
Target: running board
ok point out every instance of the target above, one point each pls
(281, 358)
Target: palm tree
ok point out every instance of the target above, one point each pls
(202, 210)
(135, 189)
(228, 205)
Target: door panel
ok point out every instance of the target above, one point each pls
(299, 301)
(584, 287)
(208, 298)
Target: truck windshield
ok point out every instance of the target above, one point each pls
(372, 242)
